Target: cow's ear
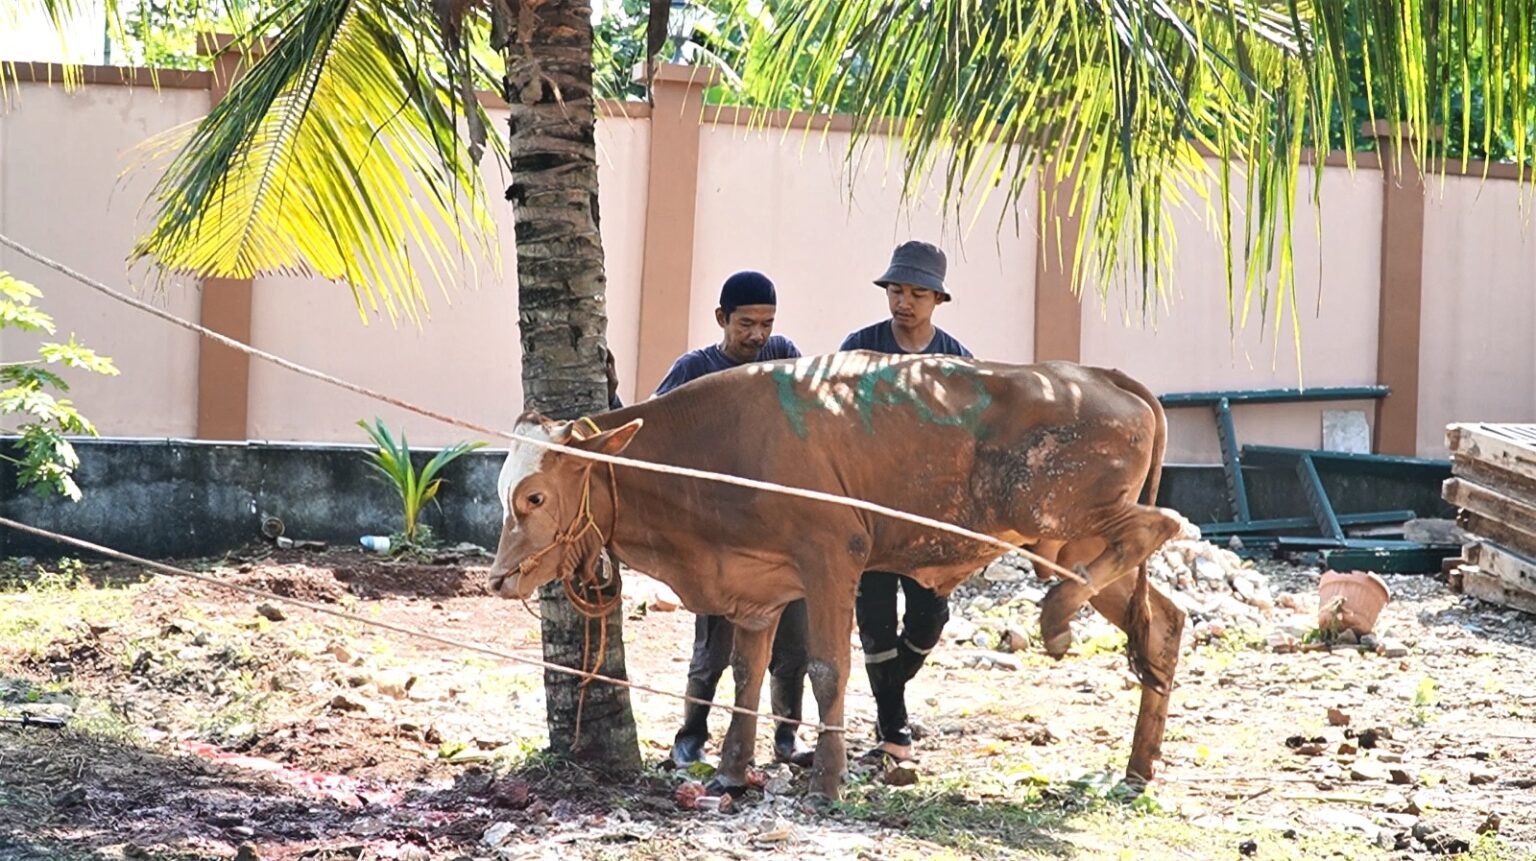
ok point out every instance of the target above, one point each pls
(609, 442)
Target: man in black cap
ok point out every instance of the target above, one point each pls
(748, 303)
(914, 287)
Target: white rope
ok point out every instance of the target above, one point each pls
(398, 629)
(765, 486)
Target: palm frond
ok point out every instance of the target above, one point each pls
(336, 155)
(1147, 105)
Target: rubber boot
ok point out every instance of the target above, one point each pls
(888, 682)
(688, 746)
(787, 696)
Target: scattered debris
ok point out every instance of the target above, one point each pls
(1368, 770)
(1398, 759)
(688, 794)
(351, 703)
(1212, 584)
(513, 794)
(71, 797)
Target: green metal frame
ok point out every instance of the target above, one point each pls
(1331, 541)
(1233, 458)
(1348, 461)
(1175, 400)
(1389, 561)
(1281, 524)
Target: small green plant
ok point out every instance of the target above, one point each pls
(67, 574)
(45, 460)
(1426, 695)
(393, 461)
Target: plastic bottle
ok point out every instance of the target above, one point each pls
(376, 543)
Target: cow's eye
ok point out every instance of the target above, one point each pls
(535, 500)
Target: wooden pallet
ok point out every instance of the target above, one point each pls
(1494, 486)
(1499, 576)
(1501, 457)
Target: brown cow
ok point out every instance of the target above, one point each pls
(1054, 452)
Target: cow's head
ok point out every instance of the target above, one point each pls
(547, 533)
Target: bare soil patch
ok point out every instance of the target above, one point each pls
(200, 728)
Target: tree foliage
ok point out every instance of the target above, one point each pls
(1147, 106)
(37, 445)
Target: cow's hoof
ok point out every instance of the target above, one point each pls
(1056, 645)
(1128, 789)
(1133, 784)
(1060, 604)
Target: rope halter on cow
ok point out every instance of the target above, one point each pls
(580, 550)
(582, 542)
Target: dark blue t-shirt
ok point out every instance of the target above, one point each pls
(697, 363)
(881, 339)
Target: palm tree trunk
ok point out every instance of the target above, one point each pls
(562, 318)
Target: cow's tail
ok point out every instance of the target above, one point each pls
(1139, 614)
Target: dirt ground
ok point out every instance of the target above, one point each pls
(199, 727)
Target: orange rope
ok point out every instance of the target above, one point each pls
(586, 596)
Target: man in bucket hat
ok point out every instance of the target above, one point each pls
(748, 304)
(914, 287)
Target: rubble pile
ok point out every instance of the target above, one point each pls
(1216, 588)
(1213, 585)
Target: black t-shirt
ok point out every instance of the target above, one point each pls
(697, 363)
(881, 339)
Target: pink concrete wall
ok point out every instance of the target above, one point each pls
(780, 202)
(1189, 346)
(464, 360)
(787, 203)
(1477, 359)
(61, 193)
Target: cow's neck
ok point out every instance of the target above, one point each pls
(644, 498)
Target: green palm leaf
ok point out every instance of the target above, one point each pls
(393, 461)
(1146, 106)
(337, 155)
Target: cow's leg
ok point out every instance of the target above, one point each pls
(1065, 597)
(754, 642)
(1165, 628)
(830, 624)
(1126, 539)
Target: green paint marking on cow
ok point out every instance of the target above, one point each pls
(796, 400)
(791, 401)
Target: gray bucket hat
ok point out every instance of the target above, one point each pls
(920, 264)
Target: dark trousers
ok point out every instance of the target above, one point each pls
(713, 640)
(891, 656)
